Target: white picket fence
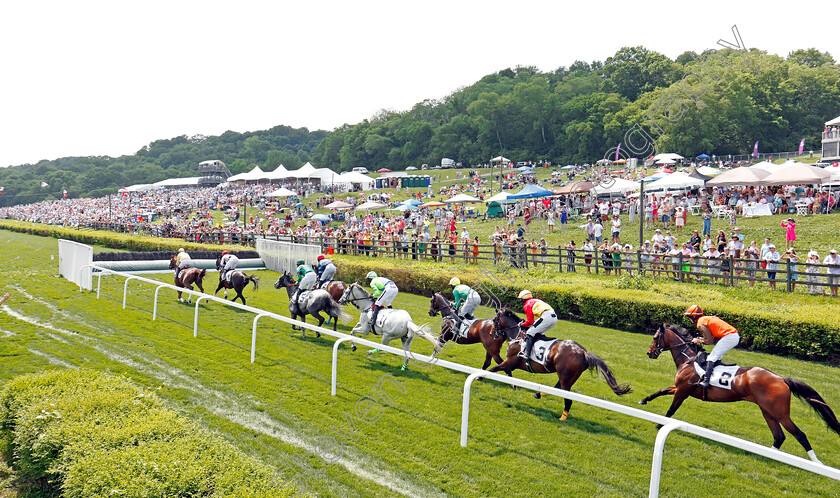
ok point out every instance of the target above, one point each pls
(668, 424)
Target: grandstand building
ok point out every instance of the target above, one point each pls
(213, 173)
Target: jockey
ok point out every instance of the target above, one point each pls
(306, 278)
(384, 291)
(539, 316)
(182, 260)
(228, 263)
(326, 271)
(466, 299)
(712, 328)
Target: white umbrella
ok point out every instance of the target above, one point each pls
(618, 186)
(460, 198)
(370, 206)
(798, 174)
(338, 205)
(739, 176)
(675, 181)
(281, 192)
(666, 161)
(500, 197)
(708, 171)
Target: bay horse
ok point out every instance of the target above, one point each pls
(187, 277)
(396, 324)
(480, 331)
(771, 392)
(565, 357)
(237, 280)
(335, 289)
(315, 301)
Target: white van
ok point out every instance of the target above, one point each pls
(361, 170)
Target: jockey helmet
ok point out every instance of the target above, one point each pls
(301, 262)
(694, 312)
(372, 274)
(525, 294)
(181, 250)
(455, 281)
(225, 252)
(320, 257)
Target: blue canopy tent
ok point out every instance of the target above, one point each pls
(524, 168)
(703, 156)
(531, 191)
(413, 202)
(527, 172)
(569, 166)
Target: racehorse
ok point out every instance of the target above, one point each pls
(396, 324)
(566, 357)
(187, 277)
(313, 303)
(236, 280)
(335, 288)
(771, 392)
(479, 331)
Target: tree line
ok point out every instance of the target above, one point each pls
(717, 102)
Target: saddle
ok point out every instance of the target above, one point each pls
(464, 328)
(722, 373)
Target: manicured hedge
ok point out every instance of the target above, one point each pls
(165, 255)
(86, 433)
(801, 331)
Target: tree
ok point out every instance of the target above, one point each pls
(810, 57)
(635, 70)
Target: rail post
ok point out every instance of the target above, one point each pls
(195, 320)
(125, 288)
(465, 407)
(658, 453)
(253, 334)
(154, 308)
(335, 363)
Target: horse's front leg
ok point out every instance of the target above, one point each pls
(662, 392)
(303, 319)
(680, 395)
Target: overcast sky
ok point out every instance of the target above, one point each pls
(106, 78)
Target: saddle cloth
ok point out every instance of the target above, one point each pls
(722, 375)
(464, 329)
(381, 317)
(540, 351)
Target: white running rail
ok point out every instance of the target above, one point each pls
(668, 424)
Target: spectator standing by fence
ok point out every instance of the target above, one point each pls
(813, 273)
(833, 262)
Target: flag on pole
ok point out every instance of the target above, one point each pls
(1, 190)
(44, 184)
(755, 149)
(64, 193)
(801, 146)
(617, 150)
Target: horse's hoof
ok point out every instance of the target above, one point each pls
(353, 347)
(402, 368)
(564, 416)
(537, 395)
(514, 387)
(317, 334)
(642, 402)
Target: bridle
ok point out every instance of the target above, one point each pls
(656, 349)
(501, 331)
(352, 299)
(446, 307)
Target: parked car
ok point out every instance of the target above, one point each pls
(361, 170)
(411, 168)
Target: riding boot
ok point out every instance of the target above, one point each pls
(469, 316)
(374, 314)
(529, 345)
(707, 376)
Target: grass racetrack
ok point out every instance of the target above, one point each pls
(279, 408)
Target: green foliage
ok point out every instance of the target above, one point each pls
(87, 433)
(636, 304)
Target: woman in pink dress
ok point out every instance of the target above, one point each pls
(790, 232)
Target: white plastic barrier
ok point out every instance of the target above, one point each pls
(282, 256)
(72, 256)
(668, 424)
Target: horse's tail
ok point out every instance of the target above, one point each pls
(805, 392)
(203, 272)
(336, 310)
(424, 331)
(253, 279)
(594, 361)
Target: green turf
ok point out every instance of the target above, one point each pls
(281, 406)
